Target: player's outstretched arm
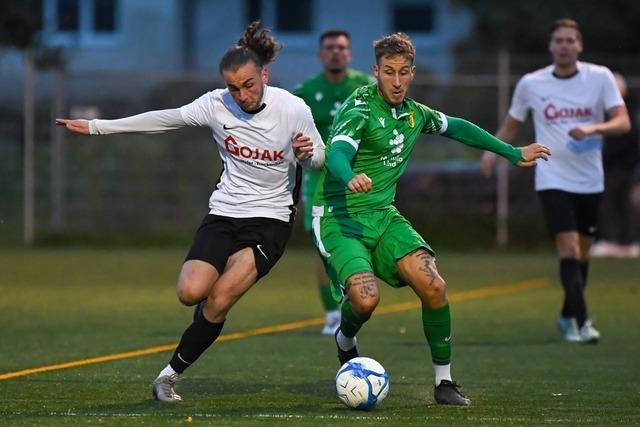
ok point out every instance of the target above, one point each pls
(150, 122)
(531, 153)
(507, 132)
(472, 135)
(78, 126)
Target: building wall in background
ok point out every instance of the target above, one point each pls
(172, 36)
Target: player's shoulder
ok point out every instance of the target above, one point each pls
(362, 96)
(420, 109)
(539, 75)
(284, 99)
(594, 69)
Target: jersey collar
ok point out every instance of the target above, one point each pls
(400, 112)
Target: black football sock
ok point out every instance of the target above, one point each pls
(584, 269)
(571, 278)
(195, 340)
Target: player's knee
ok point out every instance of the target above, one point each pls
(363, 292)
(189, 293)
(572, 252)
(365, 307)
(436, 292)
(186, 296)
(219, 305)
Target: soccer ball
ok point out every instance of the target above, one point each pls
(361, 383)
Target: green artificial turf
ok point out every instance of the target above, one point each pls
(61, 305)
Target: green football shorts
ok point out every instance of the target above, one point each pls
(369, 241)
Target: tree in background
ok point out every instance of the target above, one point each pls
(523, 26)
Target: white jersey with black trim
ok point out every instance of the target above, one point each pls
(260, 176)
(559, 105)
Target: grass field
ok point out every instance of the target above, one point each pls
(59, 306)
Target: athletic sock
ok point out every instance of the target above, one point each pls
(167, 371)
(584, 269)
(442, 372)
(571, 278)
(437, 329)
(328, 302)
(195, 340)
(350, 323)
(345, 343)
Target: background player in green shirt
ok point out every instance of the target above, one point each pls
(324, 93)
(356, 228)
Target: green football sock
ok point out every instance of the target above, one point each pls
(350, 323)
(328, 302)
(437, 329)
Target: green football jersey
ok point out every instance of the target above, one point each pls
(325, 98)
(383, 137)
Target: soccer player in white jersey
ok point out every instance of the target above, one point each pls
(263, 133)
(573, 105)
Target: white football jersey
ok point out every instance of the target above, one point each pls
(559, 105)
(261, 177)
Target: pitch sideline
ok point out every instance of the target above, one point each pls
(284, 327)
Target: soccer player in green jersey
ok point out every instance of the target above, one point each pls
(324, 93)
(357, 230)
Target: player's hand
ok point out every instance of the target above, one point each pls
(77, 126)
(302, 146)
(581, 132)
(533, 152)
(487, 162)
(360, 183)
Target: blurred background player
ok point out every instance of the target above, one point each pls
(324, 93)
(620, 155)
(356, 228)
(569, 100)
(262, 134)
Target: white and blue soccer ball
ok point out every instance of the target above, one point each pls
(361, 383)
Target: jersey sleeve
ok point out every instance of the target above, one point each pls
(350, 121)
(611, 94)
(199, 112)
(520, 102)
(150, 122)
(306, 126)
(434, 121)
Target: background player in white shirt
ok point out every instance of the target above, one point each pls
(573, 105)
(263, 133)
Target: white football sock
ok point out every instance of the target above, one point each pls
(332, 314)
(345, 343)
(167, 371)
(443, 372)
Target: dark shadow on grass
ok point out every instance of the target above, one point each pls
(226, 398)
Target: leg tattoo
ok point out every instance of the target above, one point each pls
(427, 264)
(365, 282)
